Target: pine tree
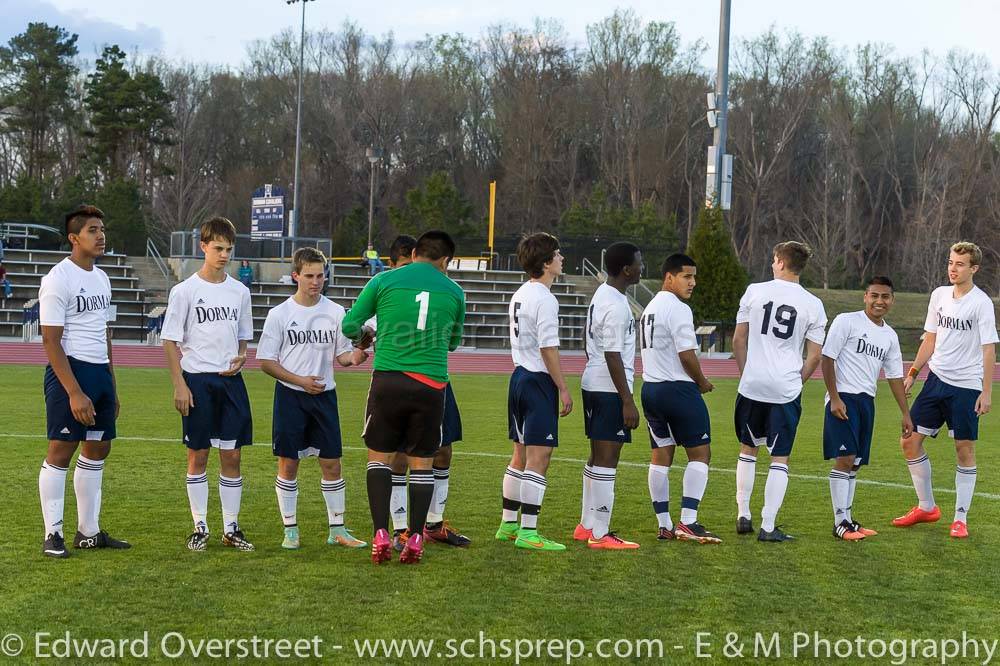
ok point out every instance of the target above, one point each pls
(721, 278)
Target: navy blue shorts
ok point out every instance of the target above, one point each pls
(221, 413)
(532, 408)
(852, 437)
(676, 414)
(451, 424)
(602, 417)
(939, 403)
(768, 424)
(95, 380)
(305, 425)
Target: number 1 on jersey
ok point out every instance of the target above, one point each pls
(424, 298)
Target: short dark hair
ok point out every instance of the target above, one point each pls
(536, 250)
(618, 256)
(882, 280)
(794, 254)
(675, 263)
(218, 227)
(401, 247)
(435, 244)
(75, 219)
(307, 255)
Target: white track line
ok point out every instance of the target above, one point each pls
(484, 454)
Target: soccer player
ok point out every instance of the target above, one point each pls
(81, 402)
(537, 395)
(205, 333)
(672, 384)
(775, 320)
(420, 313)
(858, 347)
(436, 529)
(959, 347)
(300, 341)
(609, 411)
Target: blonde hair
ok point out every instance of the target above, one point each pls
(794, 254)
(971, 249)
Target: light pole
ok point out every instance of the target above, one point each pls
(719, 178)
(374, 155)
(293, 223)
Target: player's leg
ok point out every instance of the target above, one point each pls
(335, 495)
(397, 501)
(424, 409)
(840, 444)
(750, 420)
(52, 492)
(197, 435)
(511, 492)
(584, 530)
(286, 487)
(782, 424)
(928, 417)
(606, 456)
(235, 425)
(840, 482)
(231, 498)
(533, 485)
(865, 409)
(963, 424)
(437, 529)
(655, 403)
(693, 491)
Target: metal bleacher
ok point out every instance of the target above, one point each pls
(487, 295)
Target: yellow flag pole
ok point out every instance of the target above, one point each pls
(493, 207)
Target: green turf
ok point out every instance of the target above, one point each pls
(902, 584)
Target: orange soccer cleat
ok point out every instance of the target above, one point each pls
(611, 541)
(959, 530)
(917, 515)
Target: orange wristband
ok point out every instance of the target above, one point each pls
(913, 372)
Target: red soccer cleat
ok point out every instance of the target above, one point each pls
(959, 530)
(381, 547)
(581, 533)
(918, 515)
(611, 541)
(413, 550)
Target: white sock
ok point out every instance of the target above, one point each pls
(335, 496)
(602, 491)
(532, 491)
(511, 494)
(920, 472)
(746, 471)
(965, 485)
(87, 483)
(436, 512)
(231, 493)
(774, 495)
(397, 502)
(197, 485)
(840, 488)
(658, 480)
(52, 491)
(586, 501)
(288, 499)
(695, 481)
(851, 485)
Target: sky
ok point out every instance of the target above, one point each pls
(218, 31)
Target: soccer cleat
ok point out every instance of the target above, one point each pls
(443, 533)
(198, 541)
(744, 525)
(695, 532)
(582, 533)
(666, 534)
(846, 531)
(55, 546)
(291, 541)
(774, 535)
(959, 530)
(100, 540)
(399, 538)
(507, 531)
(237, 540)
(381, 547)
(413, 550)
(611, 541)
(340, 536)
(917, 515)
(531, 540)
(856, 526)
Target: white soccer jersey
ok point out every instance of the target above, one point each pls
(861, 350)
(304, 340)
(534, 324)
(610, 328)
(665, 330)
(80, 302)
(208, 320)
(782, 315)
(963, 326)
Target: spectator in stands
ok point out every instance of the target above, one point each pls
(1, 249)
(4, 282)
(246, 273)
(373, 261)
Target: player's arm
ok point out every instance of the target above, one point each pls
(362, 310)
(985, 400)
(311, 385)
(174, 321)
(837, 406)
(111, 369)
(616, 368)
(740, 337)
(244, 334)
(814, 351)
(79, 402)
(681, 326)
(459, 329)
(899, 393)
(550, 357)
(689, 361)
(924, 354)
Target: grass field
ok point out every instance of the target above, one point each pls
(912, 584)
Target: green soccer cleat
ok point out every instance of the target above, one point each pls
(507, 531)
(532, 540)
(291, 541)
(339, 536)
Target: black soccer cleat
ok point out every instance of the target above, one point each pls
(774, 535)
(55, 546)
(198, 541)
(237, 540)
(666, 534)
(443, 533)
(100, 540)
(744, 525)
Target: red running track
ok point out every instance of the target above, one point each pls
(145, 356)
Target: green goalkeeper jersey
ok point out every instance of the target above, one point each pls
(421, 314)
